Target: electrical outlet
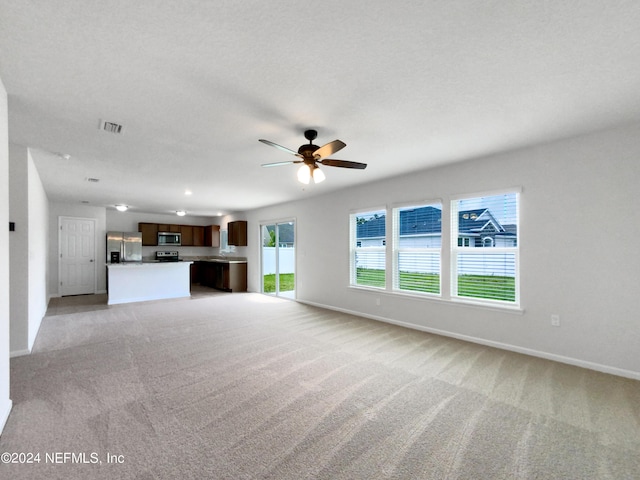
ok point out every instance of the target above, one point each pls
(555, 320)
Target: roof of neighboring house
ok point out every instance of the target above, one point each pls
(420, 221)
(474, 221)
(428, 220)
(372, 228)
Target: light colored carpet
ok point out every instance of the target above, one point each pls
(245, 386)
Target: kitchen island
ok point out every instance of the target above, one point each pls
(139, 282)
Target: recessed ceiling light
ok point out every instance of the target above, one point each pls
(181, 213)
(121, 208)
(188, 192)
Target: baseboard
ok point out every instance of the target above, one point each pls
(620, 372)
(4, 414)
(19, 353)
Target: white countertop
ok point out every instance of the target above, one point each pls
(152, 264)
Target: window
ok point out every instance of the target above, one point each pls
(368, 250)
(484, 252)
(417, 243)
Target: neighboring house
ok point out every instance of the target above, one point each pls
(422, 227)
(479, 228)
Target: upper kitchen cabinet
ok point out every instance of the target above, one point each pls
(212, 236)
(149, 234)
(237, 233)
(162, 227)
(198, 236)
(186, 232)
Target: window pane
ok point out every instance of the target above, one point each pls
(419, 271)
(417, 246)
(485, 247)
(368, 257)
(488, 221)
(490, 276)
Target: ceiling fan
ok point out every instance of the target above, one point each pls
(311, 155)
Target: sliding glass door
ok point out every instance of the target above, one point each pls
(278, 258)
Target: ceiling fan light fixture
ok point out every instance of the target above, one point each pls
(318, 175)
(304, 174)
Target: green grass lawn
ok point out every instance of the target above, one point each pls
(287, 282)
(473, 286)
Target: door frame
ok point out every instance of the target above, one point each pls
(95, 250)
(264, 223)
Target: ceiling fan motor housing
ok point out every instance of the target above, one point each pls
(307, 151)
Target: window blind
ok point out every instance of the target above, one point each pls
(417, 243)
(368, 248)
(484, 248)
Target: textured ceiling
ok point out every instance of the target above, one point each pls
(406, 85)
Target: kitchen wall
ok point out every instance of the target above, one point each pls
(128, 222)
(578, 239)
(5, 401)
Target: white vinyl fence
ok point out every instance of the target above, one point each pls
(489, 264)
(287, 258)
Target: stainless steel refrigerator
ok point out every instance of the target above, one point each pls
(124, 247)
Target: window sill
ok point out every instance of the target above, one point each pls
(515, 309)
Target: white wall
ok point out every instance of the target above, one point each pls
(578, 211)
(38, 250)
(5, 401)
(19, 248)
(28, 206)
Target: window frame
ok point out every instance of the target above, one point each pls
(397, 249)
(354, 247)
(456, 250)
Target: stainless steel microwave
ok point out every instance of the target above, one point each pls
(169, 238)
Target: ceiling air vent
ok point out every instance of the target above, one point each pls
(93, 180)
(110, 127)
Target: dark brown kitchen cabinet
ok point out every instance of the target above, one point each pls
(212, 236)
(198, 236)
(230, 277)
(186, 232)
(237, 233)
(194, 273)
(149, 234)
(192, 235)
(164, 227)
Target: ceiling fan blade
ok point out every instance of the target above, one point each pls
(330, 162)
(285, 149)
(329, 149)
(277, 164)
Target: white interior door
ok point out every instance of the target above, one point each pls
(77, 266)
